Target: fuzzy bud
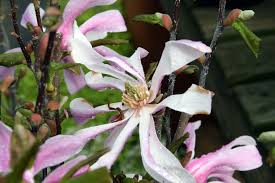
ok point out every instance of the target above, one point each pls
(29, 105)
(43, 132)
(36, 118)
(29, 48)
(52, 126)
(53, 105)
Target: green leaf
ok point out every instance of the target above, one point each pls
(11, 59)
(191, 69)
(251, 40)
(91, 159)
(99, 176)
(173, 147)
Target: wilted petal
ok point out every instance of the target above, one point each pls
(158, 161)
(101, 23)
(29, 16)
(82, 110)
(176, 54)
(110, 157)
(58, 173)
(74, 81)
(191, 141)
(98, 82)
(5, 138)
(241, 158)
(195, 100)
(72, 10)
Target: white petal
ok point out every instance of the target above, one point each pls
(176, 54)
(195, 100)
(98, 82)
(5, 140)
(158, 161)
(110, 157)
(29, 16)
(191, 141)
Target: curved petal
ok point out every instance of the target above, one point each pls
(62, 147)
(72, 10)
(241, 141)
(196, 100)
(5, 138)
(29, 16)
(109, 70)
(113, 135)
(81, 49)
(108, 52)
(191, 141)
(98, 82)
(58, 173)
(176, 54)
(108, 21)
(74, 81)
(158, 161)
(110, 157)
(135, 60)
(241, 158)
(82, 110)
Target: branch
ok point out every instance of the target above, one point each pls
(18, 35)
(45, 74)
(218, 32)
(184, 118)
(172, 77)
(36, 4)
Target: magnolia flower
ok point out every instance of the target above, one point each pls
(241, 154)
(138, 106)
(54, 151)
(94, 28)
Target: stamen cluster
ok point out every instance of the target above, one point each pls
(135, 96)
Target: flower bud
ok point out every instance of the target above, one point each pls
(29, 105)
(29, 48)
(52, 126)
(43, 132)
(53, 105)
(37, 30)
(231, 17)
(36, 118)
(246, 15)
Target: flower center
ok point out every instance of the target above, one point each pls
(135, 96)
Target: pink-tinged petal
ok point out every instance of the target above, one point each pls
(108, 52)
(195, 100)
(241, 141)
(5, 138)
(29, 16)
(135, 60)
(82, 110)
(113, 136)
(74, 81)
(58, 173)
(88, 133)
(241, 158)
(98, 82)
(81, 49)
(60, 148)
(158, 161)
(57, 150)
(176, 54)
(126, 67)
(109, 70)
(108, 21)
(72, 10)
(108, 159)
(191, 141)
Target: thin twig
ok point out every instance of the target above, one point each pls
(40, 102)
(18, 35)
(172, 77)
(36, 4)
(218, 32)
(184, 118)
